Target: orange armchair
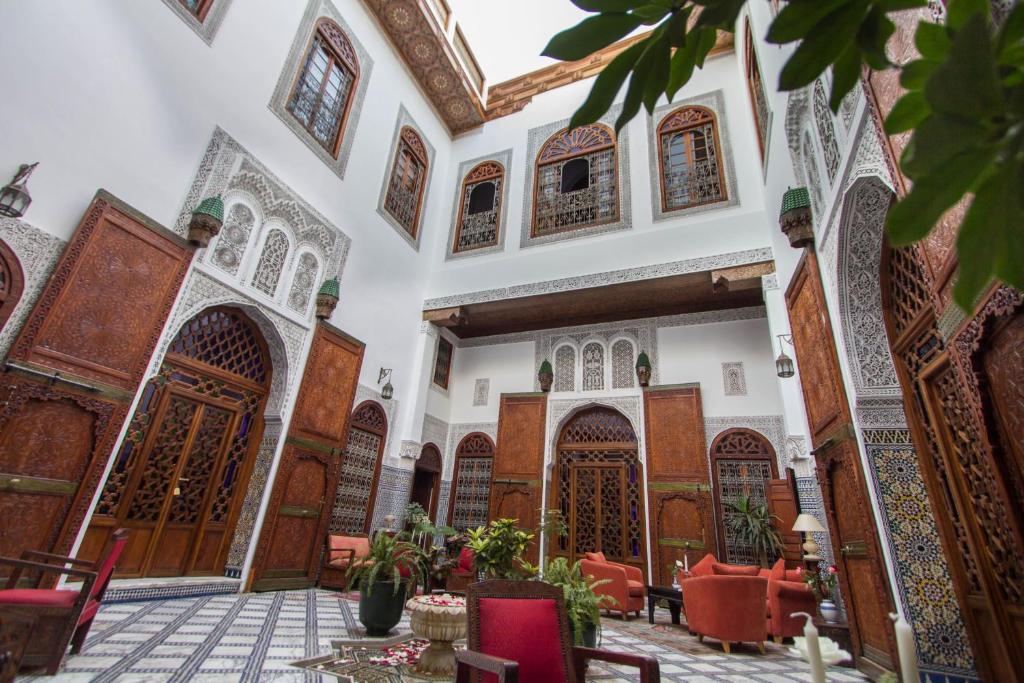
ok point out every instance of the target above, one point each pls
(627, 586)
(727, 608)
(787, 593)
(342, 552)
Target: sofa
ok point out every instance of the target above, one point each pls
(626, 584)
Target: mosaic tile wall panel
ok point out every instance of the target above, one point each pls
(443, 501)
(393, 493)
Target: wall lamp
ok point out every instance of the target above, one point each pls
(387, 391)
(14, 197)
(784, 366)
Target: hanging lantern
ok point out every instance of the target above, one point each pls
(784, 366)
(387, 391)
(327, 298)
(206, 221)
(14, 197)
(795, 219)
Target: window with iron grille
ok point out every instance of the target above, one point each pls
(323, 89)
(198, 8)
(758, 98)
(408, 176)
(443, 363)
(480, 209)
(576, 181)
(691, 170)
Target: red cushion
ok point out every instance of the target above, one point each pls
(466, 559)
(636, 589)
(794, 575)
(778, 572)
(38, 596)
(703, 568)
(358, 544)
(527, 632)
(734, 570)
(595, 557)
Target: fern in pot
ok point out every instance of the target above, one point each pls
(582, 605)
(385, 579)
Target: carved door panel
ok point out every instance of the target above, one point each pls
(599, 506)
(784, 505)
(687, 515)
(517, 472)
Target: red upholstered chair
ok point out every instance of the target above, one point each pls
(62, 616)
(342, 552)
(518, 631)
(462, 575)
(727, 608)
(626, 585)
(787, 593)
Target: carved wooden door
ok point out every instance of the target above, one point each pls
(299, 511)
(863, 576)
(518, 466)
(598, 513)
(682, 521)
(742, 464)
(784, 506)
(96, 322)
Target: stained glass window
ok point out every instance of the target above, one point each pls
(577, 181)
(480, 212)
(691, 173)
(593, 367)
(826, 130)
(233, 238)
(565, 369)
(443, 363)
(622, 364)
(271, 263)
(762, 113)
(324, 88)
(303, 282)
(408, 176)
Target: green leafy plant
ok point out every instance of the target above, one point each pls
(965, 100)
(643, 361)
(498, 550)
(545, 368)
(388, 555)
(582, 604)
(752, 525)
(419, 524)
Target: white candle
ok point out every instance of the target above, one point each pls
(686, 562)
(813, 648)
(907, 649)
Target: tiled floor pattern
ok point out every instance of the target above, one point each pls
(254, 637)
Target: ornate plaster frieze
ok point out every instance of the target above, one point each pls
(435, 431)
(643, 335)
(409, 450)
(715, 101)
(536, 139)
(611, 277)
(881, 412)
(457, 431)
(259, 486)
(405, 119)
(367, 393)
(560, 409)
(207, 28)
(848, 107)
(504, 158)
(797, 106)
(798, 454)
(315, 10)
(481, 391)
(37, 251)
(769, 282)
(734, 379)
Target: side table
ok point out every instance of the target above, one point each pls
(673, 597)
(838, 631)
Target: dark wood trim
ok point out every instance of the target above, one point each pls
(437, 357)
(751, 65)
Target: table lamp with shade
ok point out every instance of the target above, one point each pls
(806, 524)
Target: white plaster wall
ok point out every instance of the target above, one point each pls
(509, 367)
(695, 353)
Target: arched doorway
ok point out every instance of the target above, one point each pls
(360, 470)
(471, 497)
(742, 464)
(426, 480)
(597, 486)
(180, 474)
(12, 282)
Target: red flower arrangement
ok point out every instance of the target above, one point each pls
(822, 582)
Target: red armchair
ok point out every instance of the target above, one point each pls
(463, 574)
(519, 631)
(627, 586)
(342, 552)
(727, 608)
(62, 616)
(787, 593)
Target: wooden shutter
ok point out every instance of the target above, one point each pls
(95, 323)
(677, 478)
(519, 461)
(299, 513)
(783, 505)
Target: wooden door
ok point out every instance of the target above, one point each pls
(96, 322)
(742, 464)
(518, 468)
(598, 512)
(426, 480)
(784, 506)
(863, 576)
(299, 511)
(682, 521)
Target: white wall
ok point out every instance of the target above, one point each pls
(509, 367)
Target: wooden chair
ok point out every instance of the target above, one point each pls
(343, 550)
(518, 630)
(62, 616)
(15, 629)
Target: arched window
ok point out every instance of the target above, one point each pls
(303, 282)
(691, 171)
(474, 458)
(826, 130)
(593, 367)
(758, 98)
(480, 212)
(565, 369)
(271, 263)
(12, 282)
(233, 238)
(408, 177)
(623, 374)
(742, 462)
(360, 470)
(576, 181)
(322, 95)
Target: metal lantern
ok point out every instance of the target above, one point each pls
(784, 366)
(206, 221)
(327, 298)
(387, 391)
(795, 219)
(14, 197)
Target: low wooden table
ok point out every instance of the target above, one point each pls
(839, 631)
(673, 597)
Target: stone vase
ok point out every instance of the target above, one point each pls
(643, 375)
(441, 625)
(545, 379)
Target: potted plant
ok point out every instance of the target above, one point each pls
(582, 605)
(385, 577)
(545, 375)
(643, 369)
(822, 583)
(498, 550)
(752, 525)
(552, 526)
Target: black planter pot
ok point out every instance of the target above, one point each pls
(381, 610)
(589, 633)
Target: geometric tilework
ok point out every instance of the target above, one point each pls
(393, 493)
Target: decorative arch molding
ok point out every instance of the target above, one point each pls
(460, 430)
(560, 412)
(642, 333)
(37, 251)
(13, 282)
